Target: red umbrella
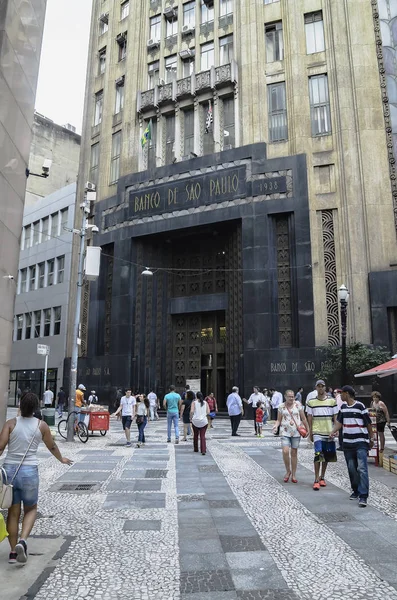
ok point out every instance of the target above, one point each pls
(383, 370)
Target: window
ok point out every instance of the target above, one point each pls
(50, 272)
(37, 323)
(271, 1)
(54, 224)
(153, 74)
(226, 49)
(45, 229)
(98, 108)
(101, 61)
(207, 12)
(119, 98)
(314, 29)
(19, 319)
(155, 28)
(122, 42)
(47, 322)
(274, 41)
(28, 326)
(188, 140)
(170, 68)
(169, 138)
(64, 219)
(319, 105)
(32, 278)
(104, 24)
(171, 27)
(208, 145)
(226, 7)
(60, 269)
(41, 268)
(188, 67)
(36, 233)
(229, 136)
(125, 10)
(28, 236)
(57, 320)
(189, 14)
(278, 128)
(115, 158)
(94, 163)
(152, 146)
(207, 56)
(24, 275)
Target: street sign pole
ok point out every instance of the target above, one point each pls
(44, 350)
(45, 372)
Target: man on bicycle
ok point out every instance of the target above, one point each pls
(79, 401)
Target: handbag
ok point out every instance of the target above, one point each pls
(139, 419)
(213, 415)
(6, 489)
(301, 430)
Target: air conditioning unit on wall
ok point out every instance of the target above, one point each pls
(170, 13)
(153, 43)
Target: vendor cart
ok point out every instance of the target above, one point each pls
(96, 420)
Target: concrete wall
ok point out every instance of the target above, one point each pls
(60, 145)
(24, 354)
(21, 30)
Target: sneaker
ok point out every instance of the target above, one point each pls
(177, 441)
(168, 441)
(316, 485)
(21, 550)
(362, 502)
(128, 444)
(12, 558)
(322, 483)
(138, 445)
(353, 496)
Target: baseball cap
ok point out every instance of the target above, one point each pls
(320, 382)
(349, 389)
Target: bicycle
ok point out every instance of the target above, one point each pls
(80, 428)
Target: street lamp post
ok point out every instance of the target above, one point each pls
(343, 295)
(80, 282)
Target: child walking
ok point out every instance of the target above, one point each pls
(259, 419)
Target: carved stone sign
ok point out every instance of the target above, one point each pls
(269, 185)
(210, 188)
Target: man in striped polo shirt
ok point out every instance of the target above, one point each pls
(321, 414)
(357, 439)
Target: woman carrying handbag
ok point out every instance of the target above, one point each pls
(19, 481)
(293, 425)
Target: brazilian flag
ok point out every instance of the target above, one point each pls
(147, 134)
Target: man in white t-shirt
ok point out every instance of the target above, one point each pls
(48, 397)
(276, 400)
(152, 397)
(253, 400)
(127, 408)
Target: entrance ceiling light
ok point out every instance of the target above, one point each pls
(147, 271)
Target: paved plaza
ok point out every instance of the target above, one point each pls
(163, 523)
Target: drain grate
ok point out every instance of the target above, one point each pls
(77, 487)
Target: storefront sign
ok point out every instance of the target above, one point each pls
(210, 188)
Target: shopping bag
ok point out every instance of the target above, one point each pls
(3, 530)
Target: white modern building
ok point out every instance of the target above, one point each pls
(42, 300)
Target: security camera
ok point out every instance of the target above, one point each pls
(46, 166)
(93, 228)
(10, 277)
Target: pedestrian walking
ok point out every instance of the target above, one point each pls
(213, 406)
(79, 401)
(92, 398)
(127, 409)
(61, 401)
(253, 400)
(339, 402)
(298, 395)
(355, 423)
(119, 395)
(291, 417)
(142, 413)
(382, 417)
(199, 412)
(48, 397)
(153, 404)
(235, 410)
(23, 435)
(321, 415)
(185, 413)
(276, 400)
(259, 418)
(171, 404)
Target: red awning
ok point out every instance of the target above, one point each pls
(387, 368)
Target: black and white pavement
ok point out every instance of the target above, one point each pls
(163, 523)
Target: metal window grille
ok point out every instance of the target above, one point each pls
(319, 105)
(278, 126)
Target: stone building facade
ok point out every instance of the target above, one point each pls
(288, 93)
(21, 31)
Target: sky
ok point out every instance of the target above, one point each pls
(61, 85)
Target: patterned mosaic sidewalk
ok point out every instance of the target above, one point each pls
(161, 522)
